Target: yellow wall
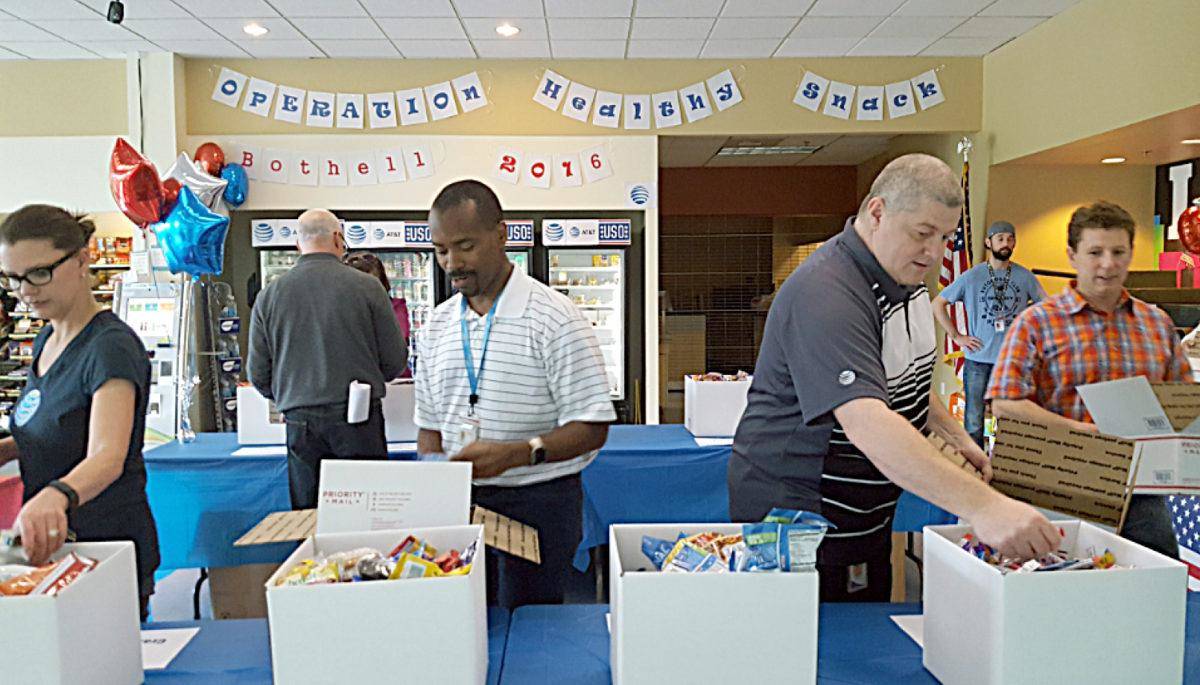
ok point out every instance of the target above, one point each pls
(1039, 200)
(63, 98)
(1099, 65)
(767, 88)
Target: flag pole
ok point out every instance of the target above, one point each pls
(964, 148)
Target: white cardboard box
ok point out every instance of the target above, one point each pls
(713, 409)
(89, 633)
(1116, 626)
(431, 629)
(688, 628)
(254, 425)
(1162, 420)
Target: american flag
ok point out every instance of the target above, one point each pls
(1185, 514)
(955, 260)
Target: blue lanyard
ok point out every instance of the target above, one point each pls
(472, 375)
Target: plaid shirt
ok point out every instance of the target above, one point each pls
(1064, 342)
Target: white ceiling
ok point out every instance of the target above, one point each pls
(564, 29)
(835, 150)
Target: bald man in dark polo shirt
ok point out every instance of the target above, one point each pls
(841, 393)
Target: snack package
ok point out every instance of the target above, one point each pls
(24, 584)
(412, 566)
(656, 550)
(65, 572)
(325, 571)
(8, 571)
(762, 547)
(798, 543)
(296, 574)
(373, 567)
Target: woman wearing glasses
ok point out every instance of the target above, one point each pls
(77, 428)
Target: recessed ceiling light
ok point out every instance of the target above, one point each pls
(255, 29)
(507, 30)
(1113, 160)
(1191, 141)
(740, 150)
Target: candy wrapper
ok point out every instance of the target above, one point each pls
(714, 377)
(50, 579)
(412, 558)
(787, 540)
(1054, 561)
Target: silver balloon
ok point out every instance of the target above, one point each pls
(208, 188)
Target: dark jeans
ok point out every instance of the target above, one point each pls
(975, 383)
(1148, 523)
(317, 433)
(555, 509)
(835, 581)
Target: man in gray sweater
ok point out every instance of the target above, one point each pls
(313, 331)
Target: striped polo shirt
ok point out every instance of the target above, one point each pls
(839, 329)
(543, 369)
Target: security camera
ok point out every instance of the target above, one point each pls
(116, 12)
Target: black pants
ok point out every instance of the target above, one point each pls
(1148, 523)
(133, 522)
(555, 509)
(836, 583)
(318, 433)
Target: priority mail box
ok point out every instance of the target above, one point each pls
(1120, 625)
(427, 629)
(706, 627)
(1163, 420)
(258, 423)
(713, 409)
(88, 633)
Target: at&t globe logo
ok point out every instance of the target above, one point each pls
(639, 195)
(356, 233)
(379, 233)
(263, 231)
(553, 232)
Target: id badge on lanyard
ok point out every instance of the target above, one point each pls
(470, 427)
(1000, 325)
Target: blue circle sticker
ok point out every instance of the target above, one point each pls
(28, 407)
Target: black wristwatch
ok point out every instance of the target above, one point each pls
(69, 492)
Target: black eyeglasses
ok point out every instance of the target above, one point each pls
(37, 276)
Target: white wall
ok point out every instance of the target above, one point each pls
(71, 172)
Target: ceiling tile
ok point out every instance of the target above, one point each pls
(183, 29)
(591, 8)
(513, 49)
(678, 8)
(665, 49)
(835, 27)
(318, 8)
(86, 29)
(280, 49)
(816, 47)
(15, 29)
(202, 48)
(743, 48)
(409, 8)
(728, 28)
(50, 50)
(278, 28)
(208, 9)
(423, 29)
(499, 8)
(589, 29)
(356, 28)
(889, 47)
(964, 47)
(145, 9)
(671, 29)
(916, 27)
(587, 49)
(436, 49)
(353, 49)
(47, 9)
(942, 8)
(765, 8)
(988, 27)
(1027, 8)
(854, 8)
(484, 28)
(119, 49)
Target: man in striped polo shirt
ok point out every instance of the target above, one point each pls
(841, 393)
(511, 379)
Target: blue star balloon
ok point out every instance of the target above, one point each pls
(192, 236)
(235, 189)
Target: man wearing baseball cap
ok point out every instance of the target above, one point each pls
(993, 292)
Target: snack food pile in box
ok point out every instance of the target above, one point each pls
(412, 558)
(19, 580)
(713, 376)
(785, 541)
(1054, 561)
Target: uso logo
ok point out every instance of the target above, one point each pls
(417, 234)
(263, 232)
(554, 232)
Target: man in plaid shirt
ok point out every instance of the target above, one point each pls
(1091, 332)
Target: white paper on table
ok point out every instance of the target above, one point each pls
(159, 647)
(913, 626)
(268, 451)
(608, 621)
(402, 447)
(713, 442)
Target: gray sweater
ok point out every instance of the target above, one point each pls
(318, 327)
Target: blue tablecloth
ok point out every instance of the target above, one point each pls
(239, 652)
(857, 643)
